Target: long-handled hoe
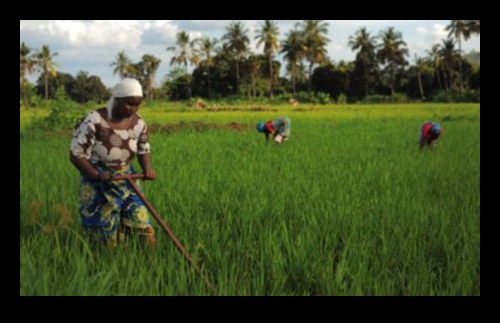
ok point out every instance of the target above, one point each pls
(163, 225)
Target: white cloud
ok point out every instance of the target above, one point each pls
(421, 30)
(94, 33)
(437, 33)
(159, 32)
(368, 23)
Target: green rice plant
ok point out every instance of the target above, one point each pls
(348, 206)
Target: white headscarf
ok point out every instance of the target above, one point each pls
(127, 87)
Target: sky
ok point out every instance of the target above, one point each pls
(92, 45)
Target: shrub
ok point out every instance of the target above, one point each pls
(64, 115)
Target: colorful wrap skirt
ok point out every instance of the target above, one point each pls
(108, 209)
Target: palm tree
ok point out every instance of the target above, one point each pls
(268, 35)
(419, 64)
(473, 26)
(314, 35)
(252, 66)
(392, 51)
(150, 64)
(123, 65)
(293, 50)
(185, 54)
(47, 66)
(434, 59)
(365, 43)
(300, 70)
(27, 67)
(449, 56)
(342, 72)
(459, 29)
(236, 41)
(207, 47)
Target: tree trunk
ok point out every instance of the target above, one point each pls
(451, 78)
(309, 82)
(460, 51)
(445, 78)
(393, 72)
(188, 82)
(237, 77)
(419, 79)
(366, 80)
(150, 92)
(209, 88)
(25, 94)
(438, 78)
(253, 86)
(420, 86)
(293, 79)
(270, 76)
(46, 86)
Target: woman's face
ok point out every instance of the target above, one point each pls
(127, 106)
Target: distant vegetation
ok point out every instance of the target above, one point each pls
(473, 57)
(227, 69)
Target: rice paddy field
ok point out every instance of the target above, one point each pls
(348, 206)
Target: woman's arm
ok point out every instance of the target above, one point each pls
(144, 152)
(81, 147)
(85, 167)
(145, 162)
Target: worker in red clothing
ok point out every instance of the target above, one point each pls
(429, 132)
(279, 128)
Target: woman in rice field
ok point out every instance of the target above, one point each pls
(279, 128)
(104, 144)
(429, 132)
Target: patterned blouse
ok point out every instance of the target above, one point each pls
(95, 140)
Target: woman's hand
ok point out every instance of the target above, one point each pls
(149, 174)
(102, 177)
